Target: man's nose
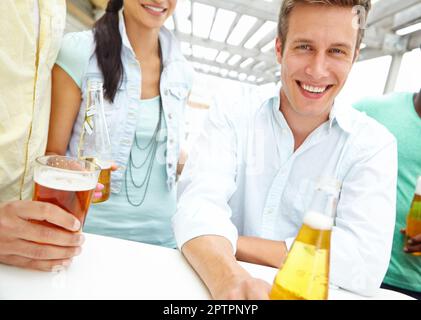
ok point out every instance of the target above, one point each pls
(318, 67)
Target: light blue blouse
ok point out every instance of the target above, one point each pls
(150, 222)
(78, 59)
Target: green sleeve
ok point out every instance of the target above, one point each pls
(361, 105)
(75, 52)
(369, 105)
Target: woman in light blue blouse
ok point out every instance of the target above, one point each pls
(146, 84)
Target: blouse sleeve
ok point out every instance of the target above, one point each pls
(74, 54)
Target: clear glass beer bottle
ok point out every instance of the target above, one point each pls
(95, 143)
(413, 219)
(305, 273)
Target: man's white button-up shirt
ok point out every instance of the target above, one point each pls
(227, 187)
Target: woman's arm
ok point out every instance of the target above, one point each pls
(65, 103)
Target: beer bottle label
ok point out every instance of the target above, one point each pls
(88, 128)
(91, 112)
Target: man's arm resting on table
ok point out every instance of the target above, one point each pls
(261, 251)
(213, 259)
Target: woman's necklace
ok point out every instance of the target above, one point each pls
(150, 149)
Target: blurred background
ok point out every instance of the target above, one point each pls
(230, 43)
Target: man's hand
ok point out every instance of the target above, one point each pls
(212, 258)
(243, 288)
(35, 246)
(414, 243)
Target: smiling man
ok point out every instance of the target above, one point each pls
(250, 176)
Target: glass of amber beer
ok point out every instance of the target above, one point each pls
(66, 182)
(104, 179)
(413, 219)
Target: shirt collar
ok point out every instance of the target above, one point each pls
(169, 45)
(123, 32)
(274, 101)
(340, 114)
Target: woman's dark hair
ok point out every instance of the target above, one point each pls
(108, 48)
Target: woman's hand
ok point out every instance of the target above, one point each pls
(100, 186)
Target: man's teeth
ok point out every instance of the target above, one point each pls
(154, 8)
(313, 89)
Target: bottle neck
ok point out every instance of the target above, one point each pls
(321, 212)
(418, 187)
(96, 125)
(94, 85)
(324, 202)
(95, 98)
(95, 95)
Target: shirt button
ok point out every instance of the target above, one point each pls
(166, 92)
(171, 141)
(170, 116)
(169, 165)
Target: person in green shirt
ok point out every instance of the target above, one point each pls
(401, 114)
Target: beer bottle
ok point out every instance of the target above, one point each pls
(95, 144)
(305, 273)
(413, 219)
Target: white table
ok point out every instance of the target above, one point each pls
(110, 268)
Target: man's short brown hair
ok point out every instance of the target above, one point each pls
(288, 5)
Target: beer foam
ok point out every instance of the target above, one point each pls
(317, 220)
(418, 189)
(66, 181)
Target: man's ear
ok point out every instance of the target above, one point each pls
(278, 50)
(356, 55)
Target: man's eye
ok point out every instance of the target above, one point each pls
(337, 51)
(304, 47)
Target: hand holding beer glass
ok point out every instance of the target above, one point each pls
(45, 233)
